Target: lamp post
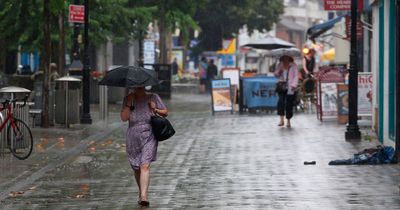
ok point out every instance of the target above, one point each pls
(353, 131)
(77, 28)
(86, 119)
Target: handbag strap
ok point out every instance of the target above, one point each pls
(287, 75)
(153, 113)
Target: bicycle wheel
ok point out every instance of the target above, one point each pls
(20, 139)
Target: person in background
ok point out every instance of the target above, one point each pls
(141, 146)
(287, 72)
(175, 67)
(203, 74)
(212, 73)
(309, 63)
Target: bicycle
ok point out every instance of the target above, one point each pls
(19, 135)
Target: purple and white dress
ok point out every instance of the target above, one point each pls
(141, 146)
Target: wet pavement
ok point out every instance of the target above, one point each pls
(213, 162)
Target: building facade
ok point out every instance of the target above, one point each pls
(385, 58)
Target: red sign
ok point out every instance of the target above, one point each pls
(337, 4)
(342, 5)
(76, 13)
(360, 30)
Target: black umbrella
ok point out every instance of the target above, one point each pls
(130, 76)
(269, 43)
(292, 52)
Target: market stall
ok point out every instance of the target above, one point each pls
(258, 93)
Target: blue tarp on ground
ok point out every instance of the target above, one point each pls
(379, 155)
(260, 92)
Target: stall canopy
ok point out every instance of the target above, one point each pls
(328, 55)
(316, 30)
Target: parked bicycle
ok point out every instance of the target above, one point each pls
(19, 135)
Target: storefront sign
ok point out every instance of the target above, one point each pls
(228, 61)
(365, 93)
(221, 95)
(260, 92)
(342, 5)
(228, 47)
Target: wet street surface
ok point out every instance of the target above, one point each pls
(213, 162)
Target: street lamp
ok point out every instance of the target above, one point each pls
(75, 66)
(353, 131)
(86, 119)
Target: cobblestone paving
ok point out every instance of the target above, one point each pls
(213, 162)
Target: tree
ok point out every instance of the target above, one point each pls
(16, 17)
(222, 19)
(47, 59)
(172, 14)
(39, 26)
(36, 25)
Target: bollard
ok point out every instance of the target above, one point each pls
(103, 103)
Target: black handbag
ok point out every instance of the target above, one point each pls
(280, 87)
(162, 128)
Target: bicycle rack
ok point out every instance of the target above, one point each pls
(21, 113)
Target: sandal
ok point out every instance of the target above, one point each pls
(144, 203)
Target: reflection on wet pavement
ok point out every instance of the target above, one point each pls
(221, 162)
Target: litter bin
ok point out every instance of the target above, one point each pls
(164, 76)
(67, 102)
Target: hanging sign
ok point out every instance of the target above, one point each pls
(360, 29)
(76, 14)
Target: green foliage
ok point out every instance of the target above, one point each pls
(114, 19)
(176, 14)
(21, 22)
(16, 21)
(222, 19)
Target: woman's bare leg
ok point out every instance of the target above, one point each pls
(282, 120)
(144, 181)
(137, 178)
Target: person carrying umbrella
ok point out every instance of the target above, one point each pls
(138, 107)
(287, 73)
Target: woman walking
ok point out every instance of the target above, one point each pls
(203, 74)
(141, 146)
(287, 73)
